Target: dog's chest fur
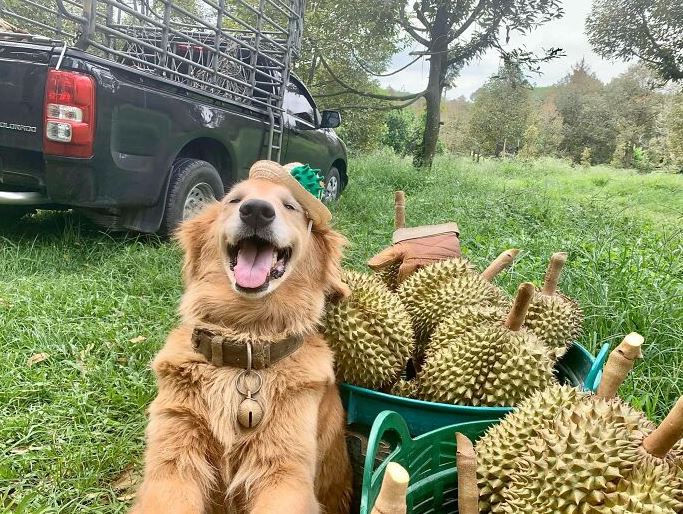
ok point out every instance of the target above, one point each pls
(216, 398)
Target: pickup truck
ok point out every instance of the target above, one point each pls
(142, 146)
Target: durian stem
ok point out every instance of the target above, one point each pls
(499, 264)
(515, 319)
(468, 491)
(399, 210)
(665, 436)
(552, 274)
(392, 495)
(619, 365)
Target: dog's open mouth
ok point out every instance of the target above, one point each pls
(254, 261)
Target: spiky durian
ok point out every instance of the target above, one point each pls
(588, 460)
(568, 452)
(496, 364)
(370, 333)
(554, 318)
(570, 464)
(404, 388)
(650, 488)
(462, 321)
(502, 444)
(389, 275)
(435, 291)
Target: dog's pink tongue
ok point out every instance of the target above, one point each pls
(253, 265)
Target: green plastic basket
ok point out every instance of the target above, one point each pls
(430, 459)
(577, 367)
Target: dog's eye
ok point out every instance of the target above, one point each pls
(290, 207)
(235, 200)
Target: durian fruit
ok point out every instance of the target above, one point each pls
(370, 333)
(588, 459)
(439, 289)
(554, 318)
(499, 448)
(389, 275)
(462, 321)
(404, 388)
(496, 364)
(564, 451)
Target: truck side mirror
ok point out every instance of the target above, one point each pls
(330, 119)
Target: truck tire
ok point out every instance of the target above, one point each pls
(194, 185)
(333, 185)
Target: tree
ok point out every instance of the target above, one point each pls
(456, 115)
(355, 39)
(401, 129)
(588, 122)
(675, 128)
(455, 32)
(501, 111)
(543, 136)
(634, 107)
(649, 30)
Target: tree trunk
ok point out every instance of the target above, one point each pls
(438, 66)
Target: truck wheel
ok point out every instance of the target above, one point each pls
(332, 185)
(194, 185)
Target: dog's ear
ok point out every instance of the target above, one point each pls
(196, 238)
(334, 243)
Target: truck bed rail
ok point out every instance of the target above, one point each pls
(241, 50)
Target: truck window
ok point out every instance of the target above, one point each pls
(296, 104)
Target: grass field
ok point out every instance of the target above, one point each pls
(82, 312)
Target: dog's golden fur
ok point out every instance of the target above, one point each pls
(198, 459)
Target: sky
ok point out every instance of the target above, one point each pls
(566, 33)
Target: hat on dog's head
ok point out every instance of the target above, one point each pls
(302, 181)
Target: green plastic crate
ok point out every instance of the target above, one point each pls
(577, 367)
(430, 459)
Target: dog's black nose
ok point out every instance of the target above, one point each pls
(257, 213)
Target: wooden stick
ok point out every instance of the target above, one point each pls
(468, 491)
(515, 319)
(499, 264)
(399, 210)
(392, 495)
(619, 365)
(665, 436)
(552, 274)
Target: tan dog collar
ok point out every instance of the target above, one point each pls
(224, 350)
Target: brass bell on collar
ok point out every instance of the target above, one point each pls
(249, 413)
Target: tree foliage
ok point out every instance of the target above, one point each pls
(588, 122)
(351, 40)
(500, 112)
(455, 33)
(649, 30)
(543, 136)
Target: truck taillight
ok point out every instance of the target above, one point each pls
(69, 114)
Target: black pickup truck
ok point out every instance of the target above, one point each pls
(141, 145)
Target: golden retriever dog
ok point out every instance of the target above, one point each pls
(257, 267)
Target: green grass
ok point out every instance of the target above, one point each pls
(74, 422)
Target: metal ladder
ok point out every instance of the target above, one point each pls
(276, 113)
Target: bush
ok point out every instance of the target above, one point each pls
(402, 132)
(641, 160)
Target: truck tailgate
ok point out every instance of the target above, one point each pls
(23, 72)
